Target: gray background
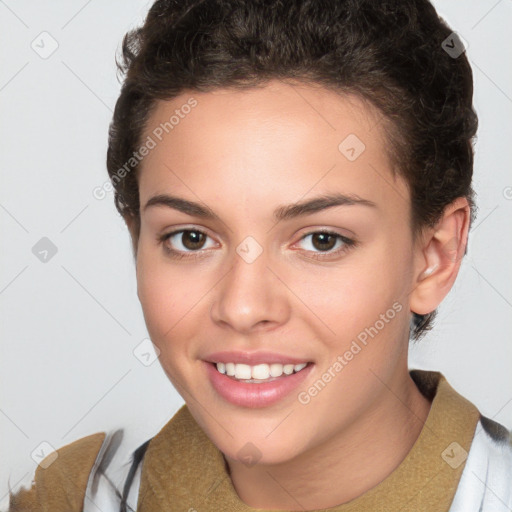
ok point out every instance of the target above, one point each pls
(70, 325)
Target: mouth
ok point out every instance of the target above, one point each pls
(256, 386)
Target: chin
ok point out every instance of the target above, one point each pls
(259, 450)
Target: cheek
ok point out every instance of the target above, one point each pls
(352, 296)
(170, 299)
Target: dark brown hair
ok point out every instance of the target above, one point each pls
(393, 54)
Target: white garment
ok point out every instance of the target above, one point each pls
(486, 481)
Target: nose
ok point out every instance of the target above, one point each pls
(250, 297)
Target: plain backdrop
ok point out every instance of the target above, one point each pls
(71, 323)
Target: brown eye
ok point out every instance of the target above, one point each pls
(326, 244)
(186, 240)
(324, 241)
(193, 239)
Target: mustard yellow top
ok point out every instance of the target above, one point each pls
(182, 469)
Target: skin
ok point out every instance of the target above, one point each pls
(243, 154)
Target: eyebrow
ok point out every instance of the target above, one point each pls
(283, 212)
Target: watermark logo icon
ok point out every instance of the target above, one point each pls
(454, 45)
(454, 455)
(351, 147)
(249, 249)
(45, 45)
(44, 455)
(44, 250)
(146, 352)
(249, 454)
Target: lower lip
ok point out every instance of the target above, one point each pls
(255, 395)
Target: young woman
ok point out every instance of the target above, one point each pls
(296, 179)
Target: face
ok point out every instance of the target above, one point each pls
(242, 272)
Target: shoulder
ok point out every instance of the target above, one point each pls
(61, 478)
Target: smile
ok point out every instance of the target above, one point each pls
(256, 386)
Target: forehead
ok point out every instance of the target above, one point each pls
(280, 139)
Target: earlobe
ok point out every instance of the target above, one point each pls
(443, 248)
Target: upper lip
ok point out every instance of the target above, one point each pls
(252, 358)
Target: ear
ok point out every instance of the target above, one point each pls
(440, 253)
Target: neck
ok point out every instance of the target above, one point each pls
(357, 459)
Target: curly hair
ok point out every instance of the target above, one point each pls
(390, 53)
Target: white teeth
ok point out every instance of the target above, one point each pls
(276, 370)
(288, 369)
(259, 371)
(242, 371)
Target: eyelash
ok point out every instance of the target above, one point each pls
(348, 244)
